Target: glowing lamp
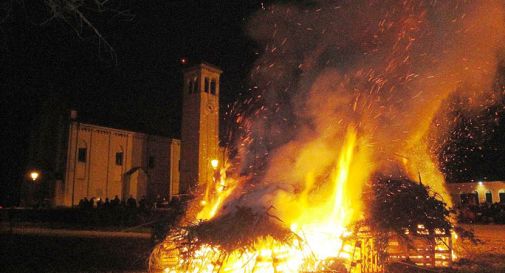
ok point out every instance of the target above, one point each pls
(214, 163)
(480, 183)
(34, 175)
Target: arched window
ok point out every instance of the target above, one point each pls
(502, 196)
(119, 156)
(206, 87)
(82, 152)
(213, 86)
(489, 197)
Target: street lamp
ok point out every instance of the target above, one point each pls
(34, 175)
(31, 186)
(214, 163)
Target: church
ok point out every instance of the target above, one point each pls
(89, 160)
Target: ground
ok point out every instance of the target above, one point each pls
(489, 255)
(48, 250)
(45, 250)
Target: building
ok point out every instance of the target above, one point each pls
(477, 192)
(76, 159)
(200, 124)
(105, 162)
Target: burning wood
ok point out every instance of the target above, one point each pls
(240, 230)
(239, 236)
(245, 239)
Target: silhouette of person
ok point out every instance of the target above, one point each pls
(142, 203)
(115, 202)
(131, 202)
(85, 202)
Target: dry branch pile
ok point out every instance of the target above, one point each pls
(400, 204)
(239, 230)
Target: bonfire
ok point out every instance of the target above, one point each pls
(336, 166)
(244, 236)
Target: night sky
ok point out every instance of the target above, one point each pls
(139, 88)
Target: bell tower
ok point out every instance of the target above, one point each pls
(200, 125)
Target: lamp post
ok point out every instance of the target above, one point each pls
(31, 186)
(214, 163)
(215, 177)
(37, 180)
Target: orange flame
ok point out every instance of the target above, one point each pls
(321, 223)
(223, 187)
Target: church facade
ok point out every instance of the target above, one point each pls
(104, 162)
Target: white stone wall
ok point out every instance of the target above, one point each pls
(101, 177)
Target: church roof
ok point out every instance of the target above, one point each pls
(203, 65)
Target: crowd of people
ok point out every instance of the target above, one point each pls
(116, 202)
(131, 203)
(127, 212)
(484, 213)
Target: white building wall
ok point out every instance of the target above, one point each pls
(493, 187)
(100, 176)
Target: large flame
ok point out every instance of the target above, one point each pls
(319, 216)
(222, 187)
(326, 209)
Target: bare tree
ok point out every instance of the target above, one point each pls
(77, 14)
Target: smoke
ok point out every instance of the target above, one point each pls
(385, 68)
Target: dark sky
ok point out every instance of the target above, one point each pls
(141, 87)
